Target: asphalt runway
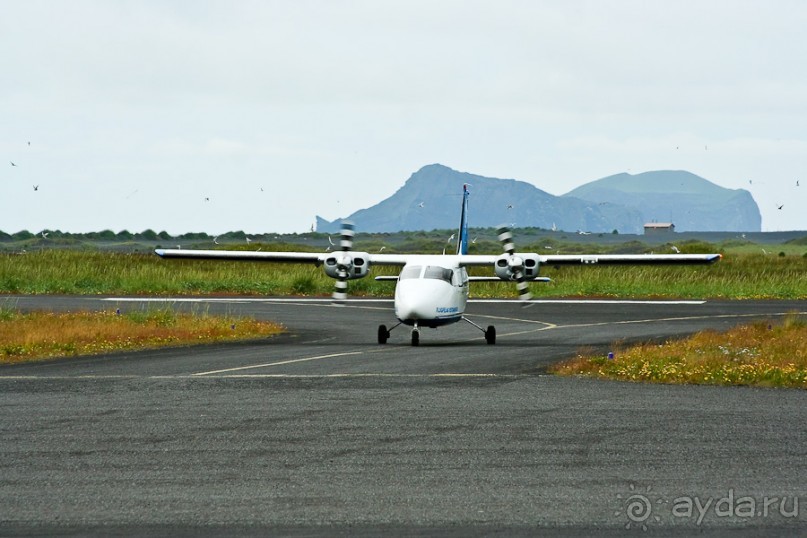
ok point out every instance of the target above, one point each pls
(321, 431)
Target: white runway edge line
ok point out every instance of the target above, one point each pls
(264, 376)
(375, 374)
(592, 301)
(329, 300)
(279, 363)
(235, 300)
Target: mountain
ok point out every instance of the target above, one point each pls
(690, 202)
(493, 202)
(430, 199)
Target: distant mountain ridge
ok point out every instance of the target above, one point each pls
(690, 202)
(430, 199)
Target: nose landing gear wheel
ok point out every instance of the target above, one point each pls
(490, 335)
(383, 334)
(415, 337)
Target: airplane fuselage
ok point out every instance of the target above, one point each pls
(431, 291)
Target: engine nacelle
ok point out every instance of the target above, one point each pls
(507, 265)
(347, 265)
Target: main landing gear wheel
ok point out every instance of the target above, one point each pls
(415, 337)
(490, 335)
(383, 334)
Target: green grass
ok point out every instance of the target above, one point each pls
(38, 335)
(737, 276)
(760, 354)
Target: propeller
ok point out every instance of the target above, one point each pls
(344, 262)
(515, 263)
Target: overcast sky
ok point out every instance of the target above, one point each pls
(218, 116)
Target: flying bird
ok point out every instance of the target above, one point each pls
(249, 240)
(797, 182)
(36, 187)
(12, 163)
(216, 240)
(420, 204)
(780, 206)
(45, 235)
(675, 249)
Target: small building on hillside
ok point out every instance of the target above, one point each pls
(656, 228)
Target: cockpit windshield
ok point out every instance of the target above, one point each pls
(410, 271)
(439, 273)
(431, 271)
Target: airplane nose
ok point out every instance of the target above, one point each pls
(406, 309)
(421, 299)
(408, 304)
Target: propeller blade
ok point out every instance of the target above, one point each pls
(506, 239)
(523, 289)
(345, 262)
(339, 291)
(346, 236)
(516, 264)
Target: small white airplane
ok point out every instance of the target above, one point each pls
(432, 290)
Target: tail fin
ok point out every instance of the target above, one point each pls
(462, 242)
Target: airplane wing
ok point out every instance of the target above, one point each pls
(497, 279)
(244, 255)
(629, 259)
(316, 258)
(595, 259)
(464, 260)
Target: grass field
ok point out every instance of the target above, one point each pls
(40, 335)
(736, 276)
(760, 354)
